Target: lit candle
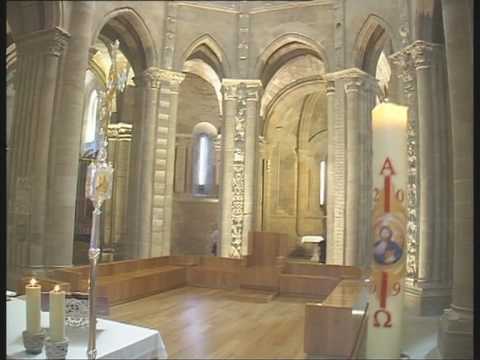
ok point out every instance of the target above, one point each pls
(32, 294)
(57, 314)
(389, 221)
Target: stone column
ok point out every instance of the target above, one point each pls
(260, 182)
(332, 252)
(455, 339)
(65, 145)
(120, 137)
(165, 166)
(354, 164)
(151, 84)
(239, 137)
(39, 57)
(253, 95)
(349, 110)
(428, 258)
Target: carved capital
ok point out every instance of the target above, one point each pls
(151, 78)
(406, 70)
(330, 87)
(241, 88)
(422, 54)
(173, 78)
(353, 85)
(51, 42)
(354, 79)
(119, 131)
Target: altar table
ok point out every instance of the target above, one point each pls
(317, 240)
(115, 340)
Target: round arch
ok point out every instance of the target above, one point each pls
(291, 93)
(136, 41)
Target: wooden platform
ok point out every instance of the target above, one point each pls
(202, 323)
(252, 295)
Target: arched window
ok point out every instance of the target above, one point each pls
(203, 155)
(91, 126)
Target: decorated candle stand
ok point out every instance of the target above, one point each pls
(389, 221)
(98, 188)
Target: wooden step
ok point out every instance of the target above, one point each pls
(252, 295)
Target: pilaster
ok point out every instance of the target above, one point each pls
(164, 167)
(241, 107)
(428, 256)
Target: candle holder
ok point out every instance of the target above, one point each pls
(33, 343)
(56, 349)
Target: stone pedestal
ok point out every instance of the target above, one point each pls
(239, 163)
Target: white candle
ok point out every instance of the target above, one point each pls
(389, 144)
(57, 314)
(32, 294)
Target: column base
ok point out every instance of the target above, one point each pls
(426, 299)
(455, 335)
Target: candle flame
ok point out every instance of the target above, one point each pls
(56, 288)
(33, 282)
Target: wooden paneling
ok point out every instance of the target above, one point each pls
(331, 329)
(122, 281)
(307, 285)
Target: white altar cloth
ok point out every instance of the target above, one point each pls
(115, 340)
(314, 239)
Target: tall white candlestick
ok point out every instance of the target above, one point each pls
(57, 314)
(32, 294)
(389, 126)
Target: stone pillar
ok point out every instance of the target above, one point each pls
(332, 251)
(164, 168)
(120, 137)
(354, 164)
(260, 181)
(241, 98)
(150, 82)
(65, 145)
(350, 104)
(428, 281)
(455, 338)
(39, 57)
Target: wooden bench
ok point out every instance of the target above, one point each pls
(126, 280)
(334, 327)
(314, 279)
(214, 272)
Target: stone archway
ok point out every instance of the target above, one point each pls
(295, 133)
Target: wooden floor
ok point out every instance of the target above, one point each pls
(207, 323)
